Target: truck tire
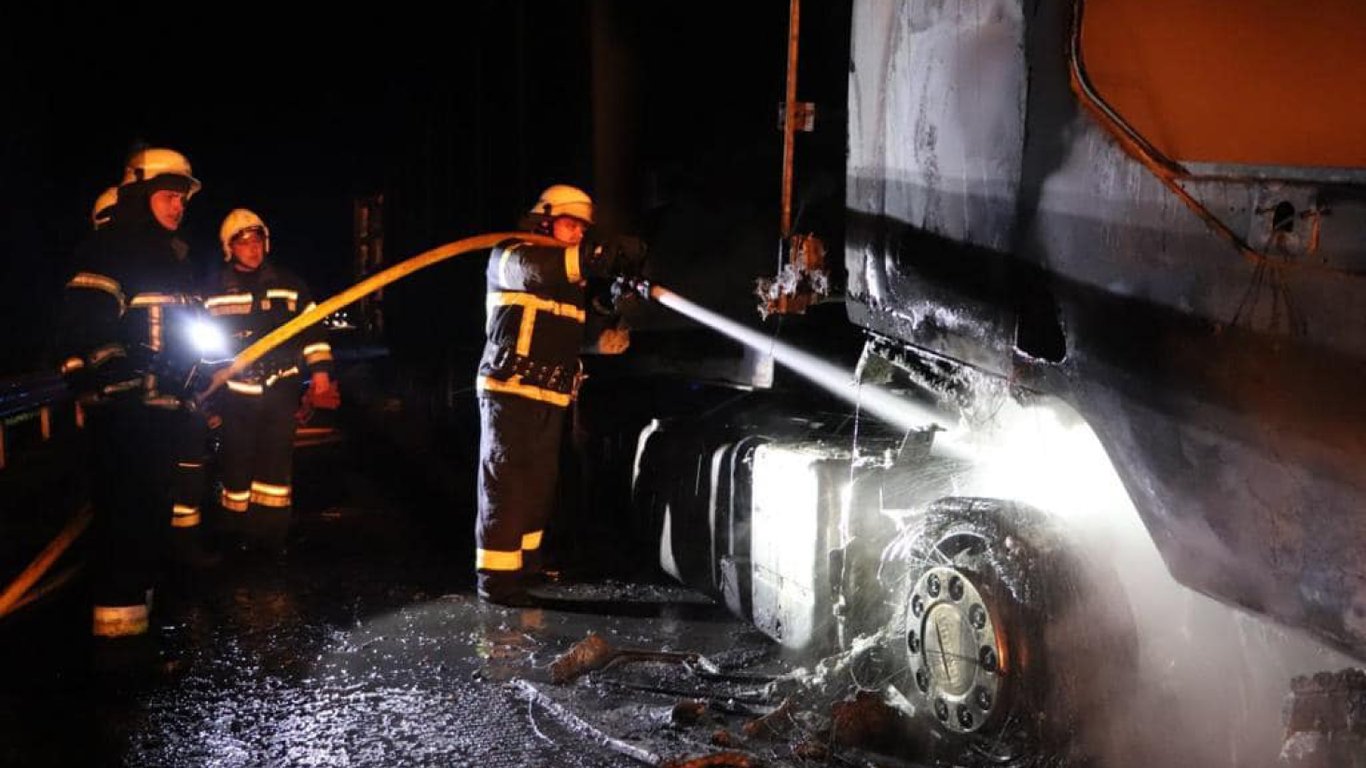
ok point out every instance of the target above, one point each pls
(1012, 645)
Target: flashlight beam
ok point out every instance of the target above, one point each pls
(367, 286)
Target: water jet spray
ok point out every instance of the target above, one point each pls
(870, 398)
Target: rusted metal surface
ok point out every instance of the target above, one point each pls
(594, 652)
(590, 653)
(801, 282)
(1325, 721)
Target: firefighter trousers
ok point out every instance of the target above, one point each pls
(256, 463)
(519, 453)
(190, 447)
(133, 451)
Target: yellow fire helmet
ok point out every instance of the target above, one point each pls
(564, 200)
(103, 212)
(237, 221)
(151, 163)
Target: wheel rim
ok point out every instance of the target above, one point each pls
(953, 650)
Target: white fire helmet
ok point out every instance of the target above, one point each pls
(564, 200)
(237, 221)
(153, 163)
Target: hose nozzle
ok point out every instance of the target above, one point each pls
(630, 287)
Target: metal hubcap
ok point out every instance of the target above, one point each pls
(951, 647)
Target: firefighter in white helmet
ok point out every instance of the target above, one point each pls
(529, 373)
(249, 297)
(126, 359)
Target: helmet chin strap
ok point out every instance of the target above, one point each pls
(240, 267)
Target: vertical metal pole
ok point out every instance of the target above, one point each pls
(790, 114)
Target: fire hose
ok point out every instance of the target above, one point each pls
(365, 287)
(14, 594)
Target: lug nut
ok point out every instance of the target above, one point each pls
(912, 642)
(964, 716)
(988, 658)
(932, 585)
(922, 681)
(956, 588)
(983, 698)
(917, 606)
(941, 710)
(978, 616)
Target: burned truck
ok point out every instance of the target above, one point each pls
(1145, 218)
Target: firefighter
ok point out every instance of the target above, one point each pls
(126, 313)
(187, 544)
(249, 297)
(529, 373)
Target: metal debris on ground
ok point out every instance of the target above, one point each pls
(749, 703)
(688, 712)
(817, 718)
(651, 713)
(594, 652)
(577, 724)
(775, 724)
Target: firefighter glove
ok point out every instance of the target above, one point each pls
(629, 257)
(619, 256)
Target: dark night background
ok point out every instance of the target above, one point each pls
(666, 112)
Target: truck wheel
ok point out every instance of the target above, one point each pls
(1013, 647)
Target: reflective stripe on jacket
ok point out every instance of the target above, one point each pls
(248, 305)
(536, 309)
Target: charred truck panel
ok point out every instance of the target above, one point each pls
(1003, 215)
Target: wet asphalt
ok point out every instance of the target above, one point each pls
(363, 645)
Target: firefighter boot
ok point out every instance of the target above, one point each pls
(515, 599)
(535, 572)
(122, 647)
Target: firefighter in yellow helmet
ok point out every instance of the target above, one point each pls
(123, 332)
(249, 297)
(538, 323)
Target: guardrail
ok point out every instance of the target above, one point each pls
(28, 402)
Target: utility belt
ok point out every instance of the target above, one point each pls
(160, 380)
(256, 379)
(503, 363)
(140, 389)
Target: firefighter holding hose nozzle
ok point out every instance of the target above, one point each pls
(539, 320)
